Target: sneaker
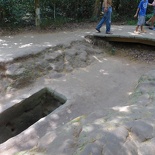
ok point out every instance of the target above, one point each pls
(109, 32)
(98, 30)
(151, 28)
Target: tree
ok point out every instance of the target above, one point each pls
(37, 14)
(97, 7)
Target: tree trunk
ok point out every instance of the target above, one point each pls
(97, 7)
(37, 14)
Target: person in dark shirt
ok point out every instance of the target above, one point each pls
(151, 21)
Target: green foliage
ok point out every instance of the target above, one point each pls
(148, 16)
(22, 12)
(50, 22)
(131, 22)
(93, 19)
(116, 16)
(125, 7)
(16, 13)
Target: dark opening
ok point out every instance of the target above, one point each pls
(19, 117)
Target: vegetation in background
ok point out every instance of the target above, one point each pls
(21, 13)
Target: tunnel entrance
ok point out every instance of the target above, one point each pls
(22, 115)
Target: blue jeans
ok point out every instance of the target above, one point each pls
(107, 19)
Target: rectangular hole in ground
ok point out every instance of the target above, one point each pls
(19, 117)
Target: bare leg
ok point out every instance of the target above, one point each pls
(152, 22)
(142, 29)
(136, 31)
(147, 22)
(137, 27)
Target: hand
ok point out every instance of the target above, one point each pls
(135, 15)
(105, 9)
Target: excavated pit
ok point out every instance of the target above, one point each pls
(22, 115)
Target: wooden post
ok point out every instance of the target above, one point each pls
(37, 14)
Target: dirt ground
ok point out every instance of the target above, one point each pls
(92, 76)
(67, 26)
(136, 53)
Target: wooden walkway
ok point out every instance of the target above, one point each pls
(125, 33)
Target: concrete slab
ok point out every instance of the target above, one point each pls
(126, 34)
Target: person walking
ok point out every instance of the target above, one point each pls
(151, 21)
(141, 13)
(107, 11)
